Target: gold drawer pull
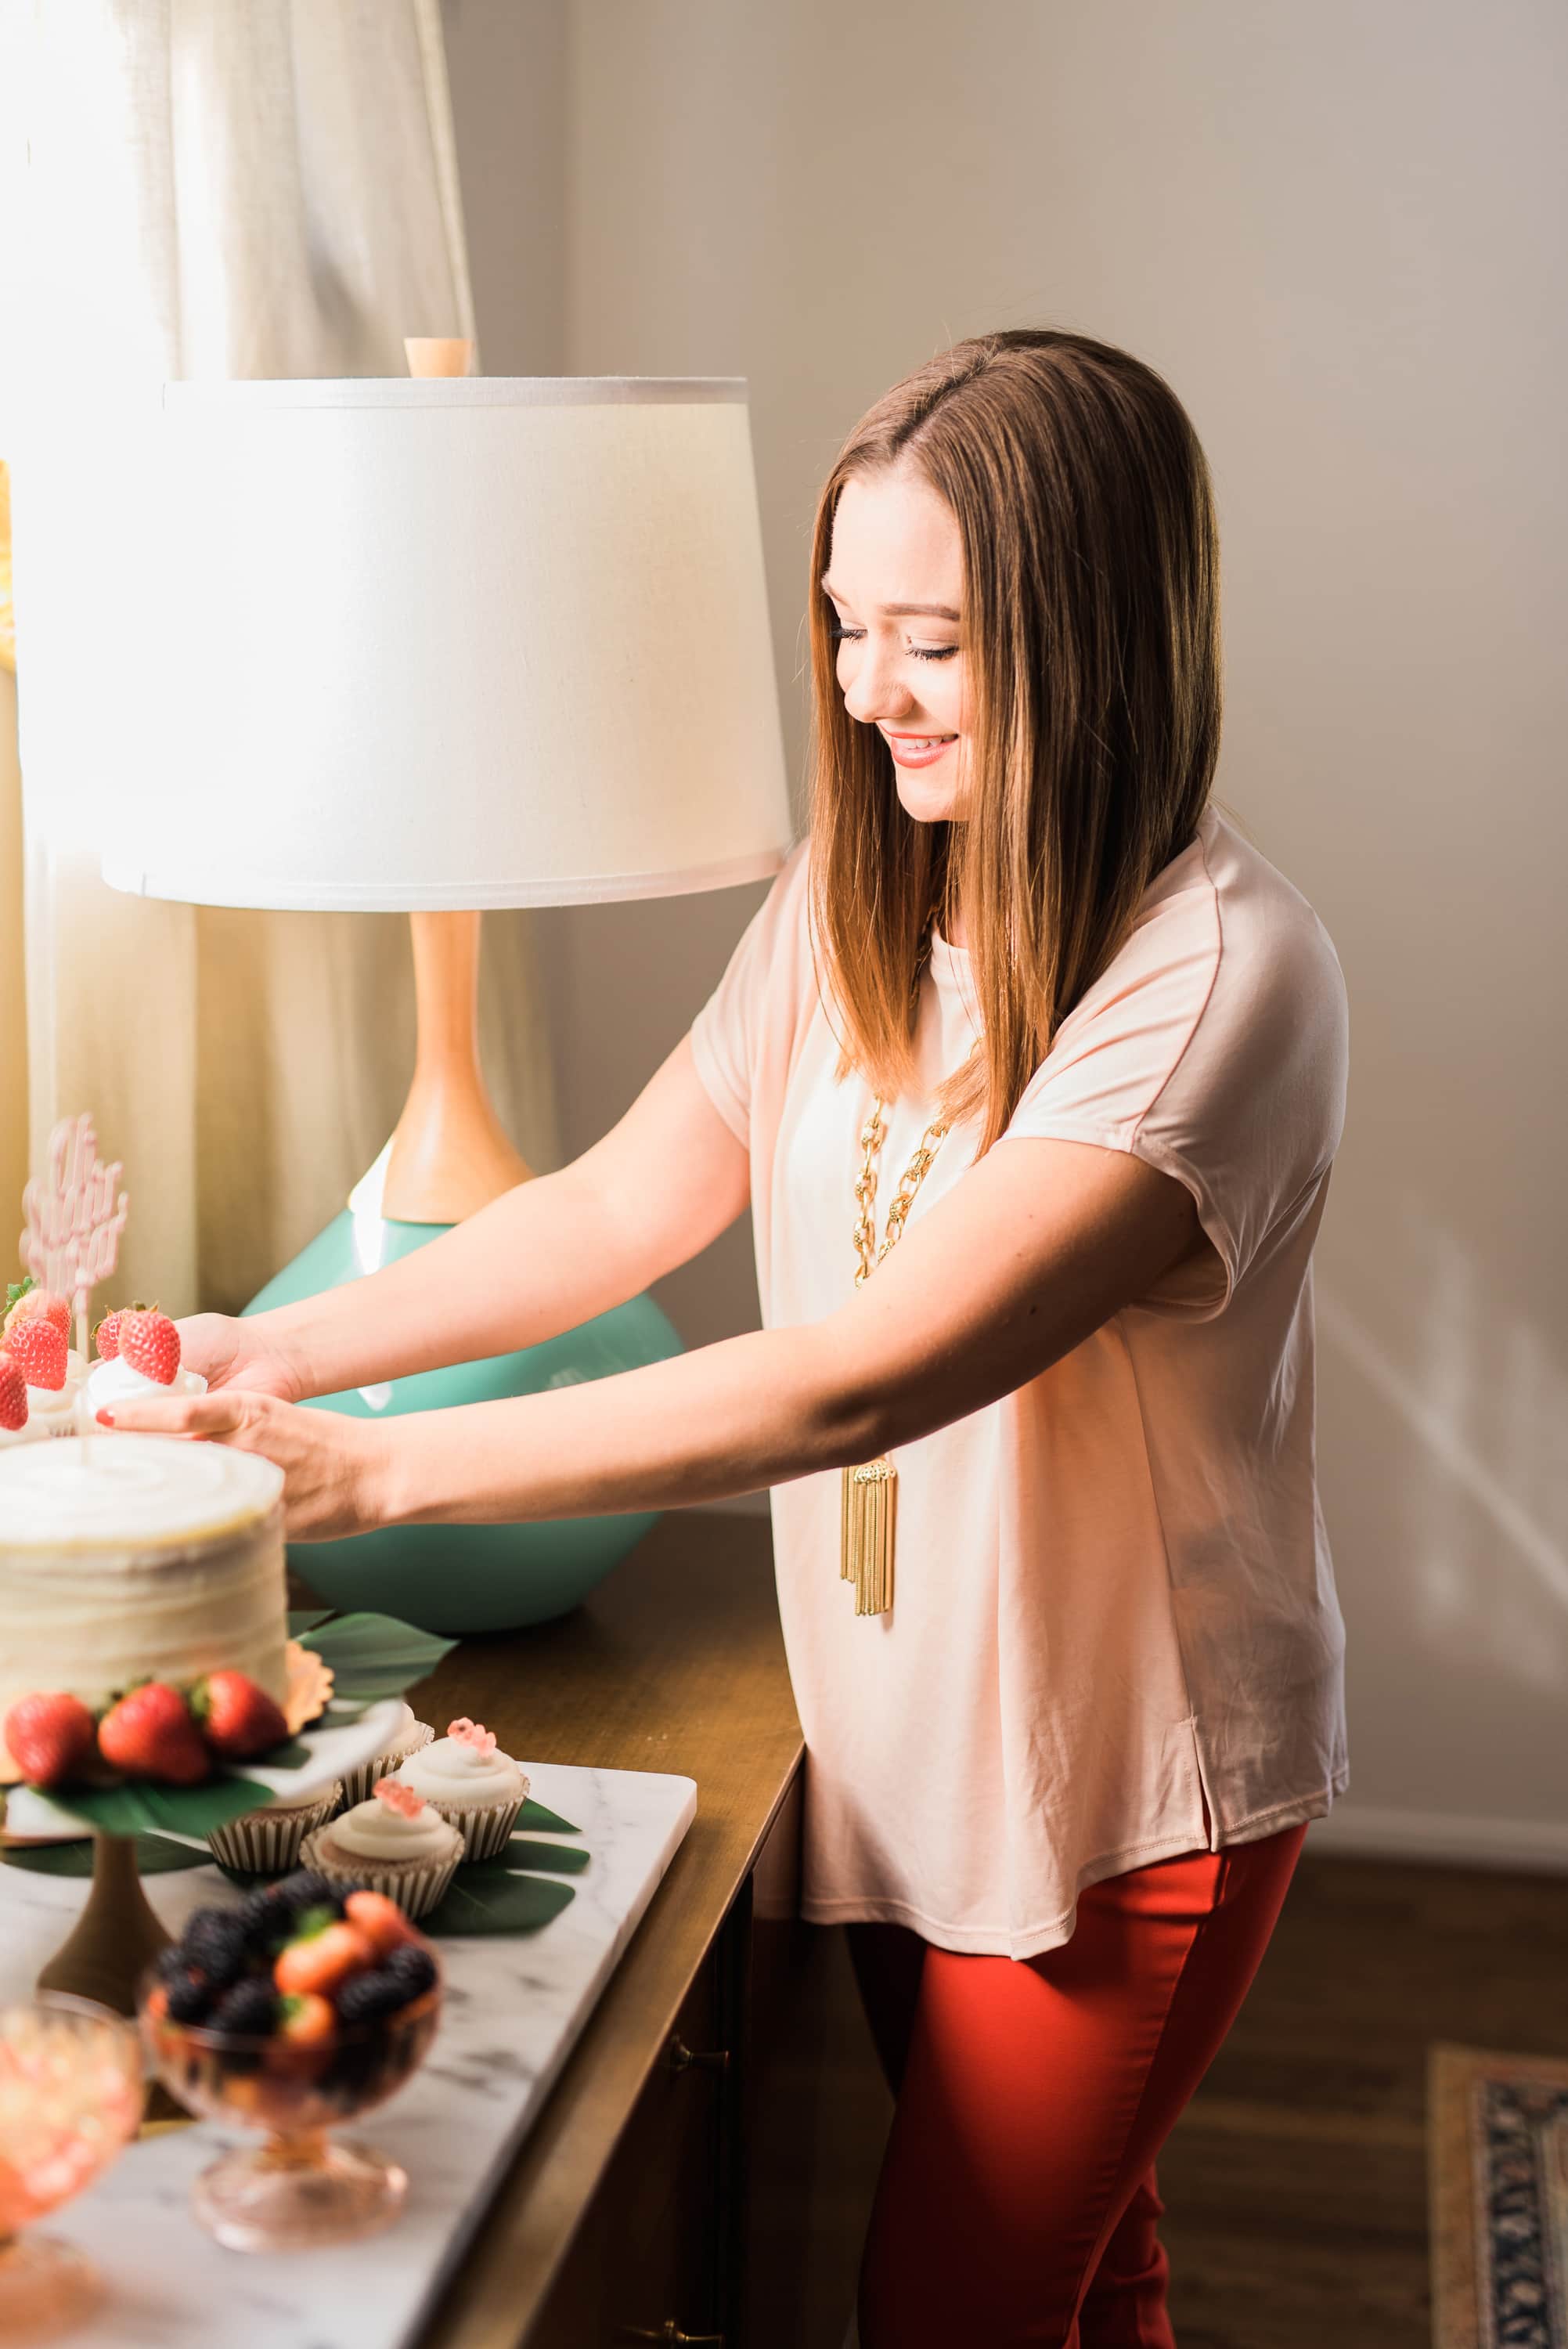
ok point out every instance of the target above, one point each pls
(680, 2058)
(670, 2333)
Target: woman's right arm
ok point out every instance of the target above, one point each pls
(551, 1253)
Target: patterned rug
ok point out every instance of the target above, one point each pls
(1497, 2140)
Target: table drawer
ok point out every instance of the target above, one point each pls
(650, 2253)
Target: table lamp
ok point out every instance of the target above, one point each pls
(432, 645)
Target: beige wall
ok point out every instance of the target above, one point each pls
(1339, 232)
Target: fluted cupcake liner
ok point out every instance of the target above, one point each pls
(357, 1784)
(269, 1841)
(416, 1891)
(487, 1831)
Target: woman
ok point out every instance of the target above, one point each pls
(1027, 989)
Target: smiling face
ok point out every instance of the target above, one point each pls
(895, 581)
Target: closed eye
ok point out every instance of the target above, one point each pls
(841, 634)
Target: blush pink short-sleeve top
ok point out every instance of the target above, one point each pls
(1115, 1635)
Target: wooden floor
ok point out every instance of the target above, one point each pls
(1295, 2183)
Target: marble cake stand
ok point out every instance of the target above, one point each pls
(514, 2005)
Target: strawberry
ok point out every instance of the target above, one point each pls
(13, 1395)
(24, 1298)
(316, 1966)
(149, 1342)
(237, 1719)
(380, 1920)
(149, 1734)
(49, 1737)
(39, 1350)
(308, 2021)
(105, 1337)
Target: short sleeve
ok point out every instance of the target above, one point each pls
(1215, 1049)
(731, 1032)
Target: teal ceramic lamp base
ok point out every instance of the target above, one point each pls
(463, 1578)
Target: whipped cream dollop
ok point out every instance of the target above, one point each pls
(372, 1830)
(118, 1381)
(453, 1770)
(55, 1408)
(32, 1431)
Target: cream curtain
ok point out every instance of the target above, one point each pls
(209, 189)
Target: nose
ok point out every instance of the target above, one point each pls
(877, 691)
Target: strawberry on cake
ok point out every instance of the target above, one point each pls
(17, 1424)
(138, 1354)
(37, 1338)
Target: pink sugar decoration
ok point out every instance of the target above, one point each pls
(398, 1797)
(471, 1732)
(74, 1218)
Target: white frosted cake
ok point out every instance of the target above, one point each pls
(136, 1558)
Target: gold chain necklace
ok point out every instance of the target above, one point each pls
(870, 1501)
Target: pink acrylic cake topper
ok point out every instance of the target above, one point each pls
(75, 1219)
(398, 1797)
(471, 1732)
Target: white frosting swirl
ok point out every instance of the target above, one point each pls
(30, 1432)
(118, 1381)
(452, 1771)
(372, 1830)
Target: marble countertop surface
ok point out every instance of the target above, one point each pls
(513, 2006)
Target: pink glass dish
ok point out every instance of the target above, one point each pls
(298, 2187)
(70, 2099)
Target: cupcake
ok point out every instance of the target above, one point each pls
(268, 1840)
(463, 1778)
(37, 1342)
(410, 1736)
(138, 1354)
(394, 1843)
(54, 1408)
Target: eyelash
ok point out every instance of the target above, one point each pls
(841, 635)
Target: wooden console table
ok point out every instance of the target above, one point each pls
(632, 2210)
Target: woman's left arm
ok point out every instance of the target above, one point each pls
(1029, 1253)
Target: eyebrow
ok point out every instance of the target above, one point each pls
(900, 611)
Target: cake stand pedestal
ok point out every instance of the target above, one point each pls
(117, 1936)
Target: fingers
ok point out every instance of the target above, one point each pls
(220, 1414)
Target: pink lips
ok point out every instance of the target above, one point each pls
(906, 758)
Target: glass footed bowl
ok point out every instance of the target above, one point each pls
(298, 2187)
(70, 2099)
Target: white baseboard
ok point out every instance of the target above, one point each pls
(1454, 1839)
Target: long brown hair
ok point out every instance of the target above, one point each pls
(1092, 639)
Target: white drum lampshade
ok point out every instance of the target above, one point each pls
(460, 642)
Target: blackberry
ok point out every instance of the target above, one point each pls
(267, 1919)
(189, 1999)
(365, 1998)
(250, 2008)
(171, 1964)
(215, 1940)
(305, 1889)
(412, 1968)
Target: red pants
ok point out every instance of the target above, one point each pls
(1017, 2200)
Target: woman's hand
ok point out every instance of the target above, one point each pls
(334, 1466)
(230, 1352)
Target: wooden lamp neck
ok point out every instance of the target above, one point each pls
(450, 1155)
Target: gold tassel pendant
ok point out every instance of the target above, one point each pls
(869, 1512)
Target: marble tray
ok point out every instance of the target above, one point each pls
(514, 2005)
